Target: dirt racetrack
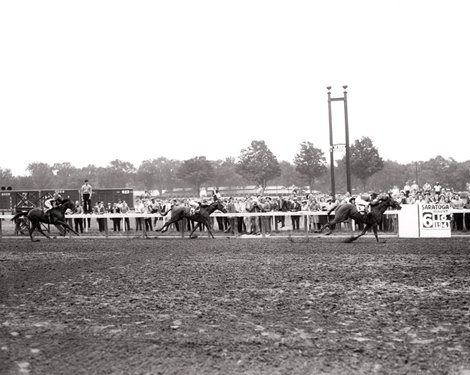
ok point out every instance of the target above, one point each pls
(234, 306)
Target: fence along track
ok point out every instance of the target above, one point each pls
(305, 217)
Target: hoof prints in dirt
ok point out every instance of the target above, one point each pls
(171, 306)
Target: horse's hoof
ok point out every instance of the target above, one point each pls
(327, 234)
(349, 240)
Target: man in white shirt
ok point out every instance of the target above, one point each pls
(414, 187)
(87, 192)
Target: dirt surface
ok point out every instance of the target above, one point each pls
(233, 306)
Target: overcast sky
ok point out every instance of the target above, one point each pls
(88, 82)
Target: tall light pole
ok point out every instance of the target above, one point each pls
(344, 99)
(332, 159)
(346, 131)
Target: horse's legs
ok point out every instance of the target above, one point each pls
(164, 227)
(374, 228)
(328, 225)
(61, 229)
(354, 238)
(194, 229)
(65, 225)
(32, 227)
(323, 228)
(37, 225)
(208, 225)
(167, 224)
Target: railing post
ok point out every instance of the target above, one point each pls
(306, 223)
(144, 227)
(106, 227)
(263, 225)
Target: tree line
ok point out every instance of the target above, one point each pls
(256, 165)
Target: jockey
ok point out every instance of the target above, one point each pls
(194, 206)
(216, 195)
(50, 203)
(362, 204)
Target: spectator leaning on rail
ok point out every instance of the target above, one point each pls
(125, 210)
(466, 205)
(139, 208)
(457, 203)
(283, 207)
(266, 206)
(295, 207)
(78, 222)
(230, 207)
(253, 206)
(100, 210)
(240, 207)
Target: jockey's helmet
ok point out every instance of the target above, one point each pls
(365, 197)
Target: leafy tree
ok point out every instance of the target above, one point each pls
(257, 163)
(65, 175)
(365, 160)
(225, 173)
(41, 174)
(91, 173)
(6, 177)
(158, 173)
(147, 174)
(391, 174)
(448, 172)
(23, 183)
(289, 176)
(310, 162)
(196, 171)
(119, 174)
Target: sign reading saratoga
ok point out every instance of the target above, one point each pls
(434, 220)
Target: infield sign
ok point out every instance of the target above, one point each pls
(434, 220)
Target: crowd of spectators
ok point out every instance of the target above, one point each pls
(411, 193)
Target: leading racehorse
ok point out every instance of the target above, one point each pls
(56, 217)
(201, 217)
(371, 220)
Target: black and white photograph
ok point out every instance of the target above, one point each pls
(234, 187)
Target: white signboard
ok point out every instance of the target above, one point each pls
(434, 220)
(408, 222)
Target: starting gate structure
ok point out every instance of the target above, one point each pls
(15, 201)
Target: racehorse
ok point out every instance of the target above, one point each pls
(56, 216)
(201, 217)
(371, 220)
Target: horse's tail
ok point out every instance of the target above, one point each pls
(166, 212)
(18, 215)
